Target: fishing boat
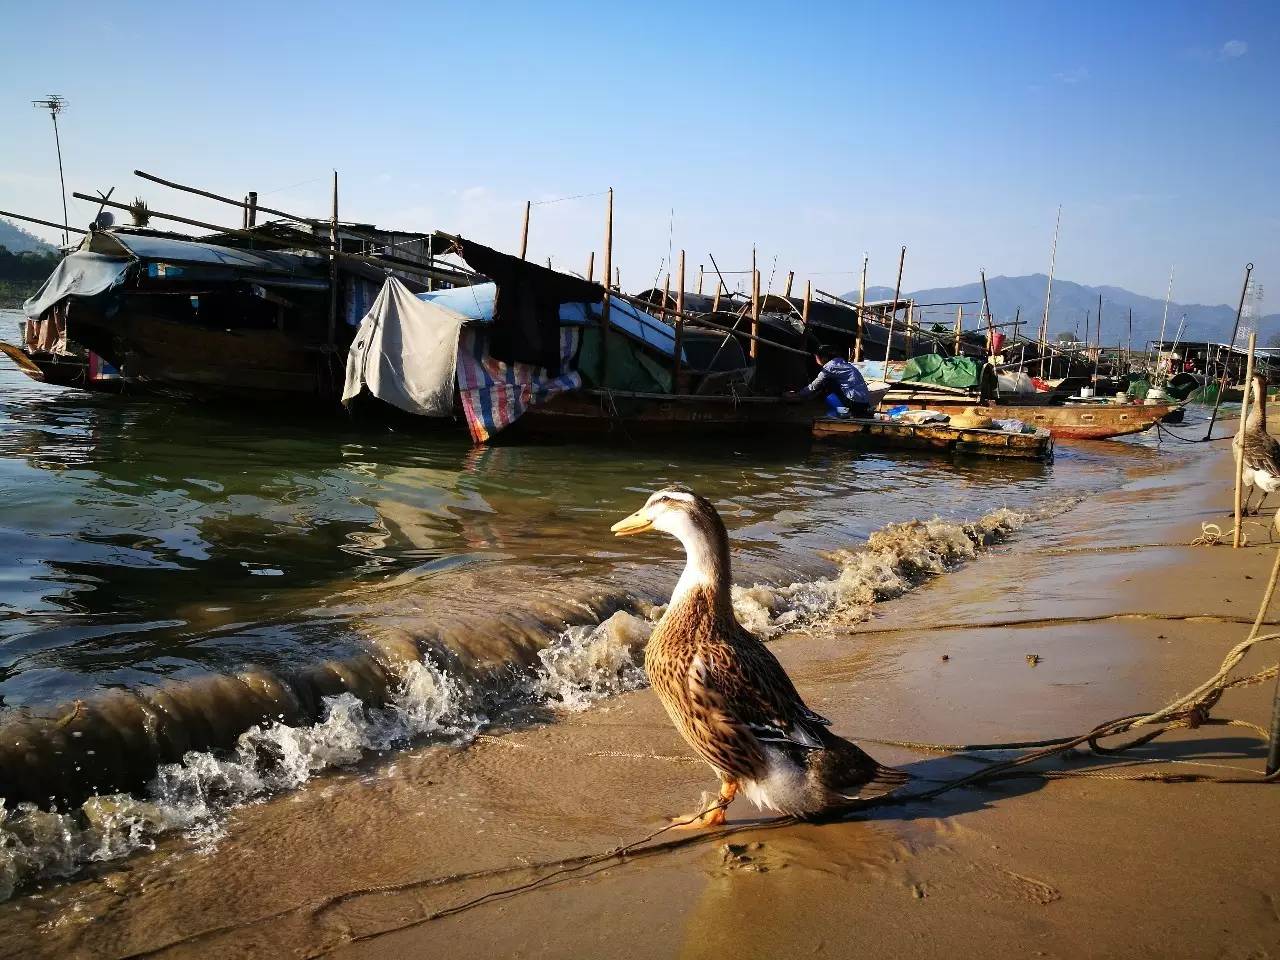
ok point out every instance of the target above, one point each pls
(1093, 420)
(888, 434)
(133, 308)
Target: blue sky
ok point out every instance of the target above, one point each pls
(818, 132)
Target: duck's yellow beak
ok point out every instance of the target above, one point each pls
(638, 522)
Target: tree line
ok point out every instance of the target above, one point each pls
(26, 268)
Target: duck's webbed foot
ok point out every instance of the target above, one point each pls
(712, 811)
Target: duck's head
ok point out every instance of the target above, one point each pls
(672, 510)
(693, 521)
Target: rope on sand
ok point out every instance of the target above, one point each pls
(1189, 711)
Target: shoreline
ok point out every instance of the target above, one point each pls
(1118, 628)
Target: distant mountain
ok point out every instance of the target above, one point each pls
(17, 240)
(1072, 303)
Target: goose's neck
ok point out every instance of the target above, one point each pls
(706, 569)
(1258, 412)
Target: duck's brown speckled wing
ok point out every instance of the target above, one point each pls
(753, 701)
(1262, 452)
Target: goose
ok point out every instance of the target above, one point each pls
(727, 694)
(1260, 450)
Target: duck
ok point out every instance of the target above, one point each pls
(728, 695)
(1260, 450)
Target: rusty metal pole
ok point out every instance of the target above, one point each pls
(755, 310)
(1248, 270)
(591, 265)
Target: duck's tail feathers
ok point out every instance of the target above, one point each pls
(883, 781)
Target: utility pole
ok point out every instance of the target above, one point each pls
(55, 105)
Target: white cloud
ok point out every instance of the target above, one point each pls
(1074, 75)
(1233, 49)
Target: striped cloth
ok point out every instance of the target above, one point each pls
(494, 394)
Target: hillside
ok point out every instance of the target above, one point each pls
(1073, 301)
(16, 240)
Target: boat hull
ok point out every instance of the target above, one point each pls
(596, 414)
(1094, 421)
(882, 434)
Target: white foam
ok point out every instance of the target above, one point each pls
(587, 663)
(583, 665)
(193, 793)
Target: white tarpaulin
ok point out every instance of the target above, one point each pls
(405, 352)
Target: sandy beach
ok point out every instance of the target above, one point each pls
(1123, 615)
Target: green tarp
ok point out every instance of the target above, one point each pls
(960, 372)
(629, 367)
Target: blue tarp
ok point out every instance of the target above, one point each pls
(476, 303)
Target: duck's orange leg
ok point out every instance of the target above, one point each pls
(709, 818)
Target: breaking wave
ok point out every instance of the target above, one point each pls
(580, 665)
(192, 793)
(585, 664)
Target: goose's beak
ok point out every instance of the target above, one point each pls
(638, 522)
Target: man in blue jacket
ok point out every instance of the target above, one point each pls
(840, 382)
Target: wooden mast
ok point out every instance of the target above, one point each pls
(333, 266)
(1048, 295)
(862, 308)
(604, 306)
(679, 325)
(897, 290)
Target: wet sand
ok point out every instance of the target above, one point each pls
(1061, 868)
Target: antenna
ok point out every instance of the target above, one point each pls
(55, 105)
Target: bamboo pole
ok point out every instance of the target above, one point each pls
(666, 295)
(43, 223)
(715, 301)
(1239, 443)
(897, 291)
(524, 230)
(699, 279)
(808, 301)
(617, 278)
(679, 324)
(243, 204)
(791, 275)
(333, 267)
(591, 265)
(959, 328)
(862, 307)
(604, 307)
(453, 275)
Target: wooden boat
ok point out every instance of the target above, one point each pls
(881, 434)
(1095, 420)
(593, 413)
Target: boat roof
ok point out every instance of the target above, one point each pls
(169, 248)
(476, 304)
